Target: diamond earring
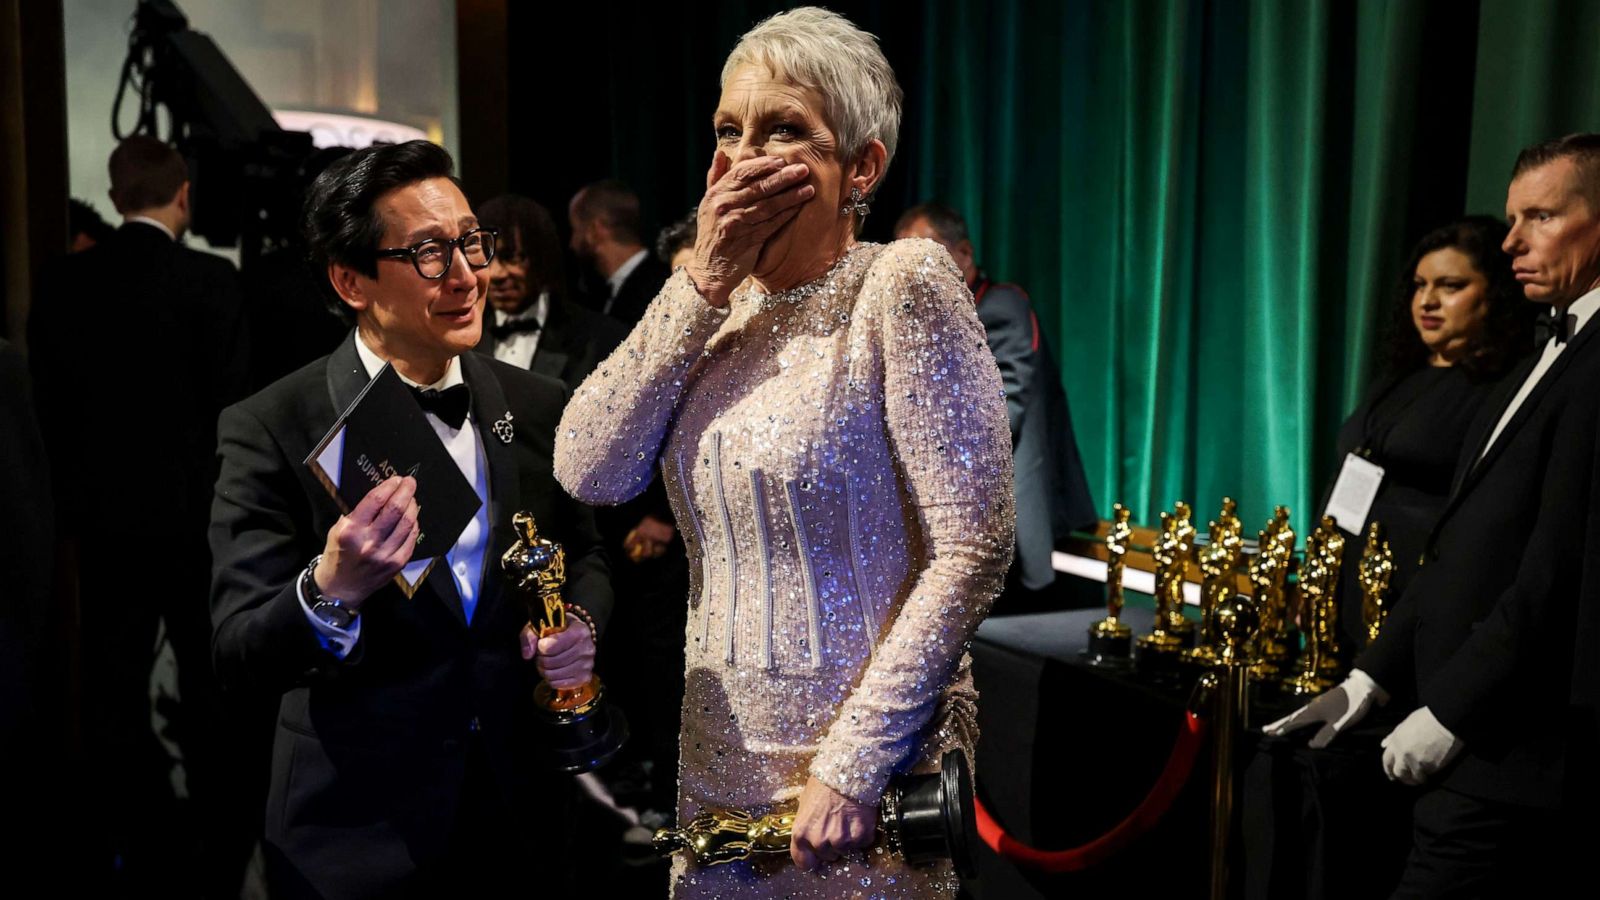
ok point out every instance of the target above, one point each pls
(857, 204)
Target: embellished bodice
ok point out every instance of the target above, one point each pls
(839, 461)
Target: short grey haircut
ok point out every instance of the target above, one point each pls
(822, 50)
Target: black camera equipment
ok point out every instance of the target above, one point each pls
(248, 175)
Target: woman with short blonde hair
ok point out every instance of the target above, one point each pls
(833, 434)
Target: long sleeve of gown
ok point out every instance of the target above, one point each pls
(612, 430)
(947, 425)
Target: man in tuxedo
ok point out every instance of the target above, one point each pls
(608, 240)
(1052, 491)
(644, 663)
(136, 349)
(1482, 648)
(404, 759)
(532, 324)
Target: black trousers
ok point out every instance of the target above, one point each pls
(492, 850)
(497, 851)
(1466, 847)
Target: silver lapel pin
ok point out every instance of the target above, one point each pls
(502, 428)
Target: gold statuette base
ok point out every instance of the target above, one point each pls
(1263, 670)
(572, 701)
(1306, 684)
(1110, 628)
(1161, 642)
(1110, 643)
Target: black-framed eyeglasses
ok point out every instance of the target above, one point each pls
(432, 257)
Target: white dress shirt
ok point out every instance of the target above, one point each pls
(155, 224)
(1583, 308)
(465, 559)
(518, 349)
(615, 279)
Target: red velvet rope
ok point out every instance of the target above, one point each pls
(1142, 819)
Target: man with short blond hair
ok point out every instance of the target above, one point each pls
(1492, 645)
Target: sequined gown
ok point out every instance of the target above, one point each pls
(839, 460)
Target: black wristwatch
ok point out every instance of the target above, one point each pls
(330, 610)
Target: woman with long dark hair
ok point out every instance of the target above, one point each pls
(1459, 323)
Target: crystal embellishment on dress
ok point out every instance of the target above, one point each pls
(869, 403)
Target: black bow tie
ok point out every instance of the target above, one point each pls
(450, 404)
(513, 326)
(1554, 324)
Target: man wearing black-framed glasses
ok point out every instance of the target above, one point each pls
(433, 257)
(401, 760)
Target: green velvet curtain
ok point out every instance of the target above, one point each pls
(1208, 200)
(1538, 77)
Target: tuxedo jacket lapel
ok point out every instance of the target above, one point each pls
(1487, 419)
(551, 355)
(443, 586)
(346, 377)
(549, 361)
(1482, 460)
(488, 407)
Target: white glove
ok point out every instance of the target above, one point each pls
(1336, 710)
(1417, 748)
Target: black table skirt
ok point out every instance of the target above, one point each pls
(1069, 749)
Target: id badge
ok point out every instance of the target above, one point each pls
(1353, 493)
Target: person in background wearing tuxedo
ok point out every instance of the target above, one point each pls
(643, 664)
(1482, 646)
(137, 348)
(532, 324)
(404, 760)
(1052, 491)
(608, 240)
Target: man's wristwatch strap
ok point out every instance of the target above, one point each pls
(330, 610)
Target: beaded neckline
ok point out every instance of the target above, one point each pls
(825, 283)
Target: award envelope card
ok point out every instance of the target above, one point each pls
(384, 433)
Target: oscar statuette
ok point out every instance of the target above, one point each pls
(1327, 622)
(1375, 573)
(923, 818)
(1219, 560)
(1183, 535)
(577, 727)
(1160, 648)
(1110, 639)
(1319, 589)
(1269, 586)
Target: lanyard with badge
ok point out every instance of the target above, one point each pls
(1360, 479)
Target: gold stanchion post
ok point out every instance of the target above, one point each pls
(1236, 621)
